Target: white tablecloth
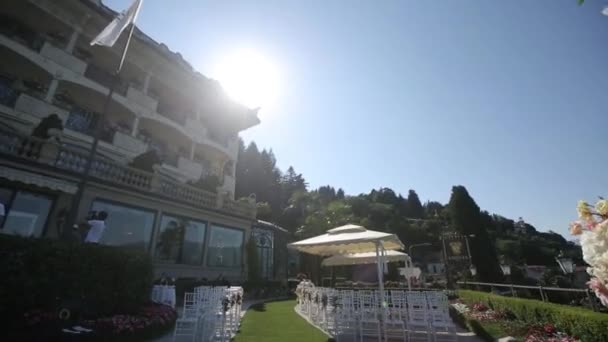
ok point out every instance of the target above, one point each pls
(164, 294)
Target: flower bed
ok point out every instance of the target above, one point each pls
(150, 321)
(579, 322)
(547, 333)
(490, 324)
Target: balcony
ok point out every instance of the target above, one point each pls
(63, 158)
(63, 58)
(229, 184)
(192, 170)
(20, 33)
(38, 108)
(171, 114)
(105, 78)
(82, 121)
(8, 95)
(129, 143)
(136, 95)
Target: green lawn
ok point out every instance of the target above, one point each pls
(277, 321)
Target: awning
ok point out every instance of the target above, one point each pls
(38, 180)
(363, 258)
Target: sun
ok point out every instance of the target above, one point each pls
(248, 77)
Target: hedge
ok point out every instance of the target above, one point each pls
(90, 280)
(581, 323)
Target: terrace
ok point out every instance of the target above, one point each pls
(57, 156)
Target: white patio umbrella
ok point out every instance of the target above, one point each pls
(349, 239)
(363, 258)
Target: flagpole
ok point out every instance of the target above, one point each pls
(73, 217)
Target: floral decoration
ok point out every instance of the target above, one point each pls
(592, 227)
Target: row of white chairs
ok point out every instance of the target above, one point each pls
(210, 314)
(351, 315)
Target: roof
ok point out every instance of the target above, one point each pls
(348, 239)
(269, 225)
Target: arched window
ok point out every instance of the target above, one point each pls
(264, 242)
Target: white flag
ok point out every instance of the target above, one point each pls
(110, 34)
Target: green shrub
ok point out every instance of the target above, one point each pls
(582, 323)
(42, 274)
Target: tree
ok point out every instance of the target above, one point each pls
(284, 198)
(264, 211)
(340, 194)
(291, 182)
(256, 173)
(414, 207)
(465, 217)
(433, 210)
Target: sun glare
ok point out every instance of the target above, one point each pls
(249, 78)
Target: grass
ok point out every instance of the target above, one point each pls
(277, 322)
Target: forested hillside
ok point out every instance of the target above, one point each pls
(285, 198)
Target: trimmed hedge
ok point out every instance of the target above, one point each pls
(581, 323)
(90, 280)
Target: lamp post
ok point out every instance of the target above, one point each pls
(567, 265)
(411, 259)
(417, 245)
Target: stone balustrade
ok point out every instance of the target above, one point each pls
(55, 155)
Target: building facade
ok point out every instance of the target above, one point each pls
(181, 207)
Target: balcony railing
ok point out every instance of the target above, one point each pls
(8, 95)
(81, 120)
(62, 157)
(105, 78)
(19, 32)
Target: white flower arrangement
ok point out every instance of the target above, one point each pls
(593, 230)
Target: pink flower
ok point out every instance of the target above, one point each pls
(576, 228)
(601, 291)
(591, 223)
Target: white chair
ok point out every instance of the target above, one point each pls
(369, 310)
(346, 323)
(188, 323)
(442, 327)
(417, 316)
(396, 316)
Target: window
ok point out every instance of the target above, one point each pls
(25, 213)
(264, 242)
(126, 226)
(225, 247)
(180, 240)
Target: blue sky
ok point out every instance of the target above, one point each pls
(508, 98)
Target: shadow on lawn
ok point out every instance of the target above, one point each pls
(261, 307)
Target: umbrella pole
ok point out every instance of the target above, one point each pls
(407, 275)
(379, 263)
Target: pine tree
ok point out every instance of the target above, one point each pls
(414, 206)
(465, 217)
(340, 194)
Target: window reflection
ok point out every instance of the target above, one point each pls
(225, 247)
(264, 241)
(180, 240)
(26, 214)
(126, 226)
